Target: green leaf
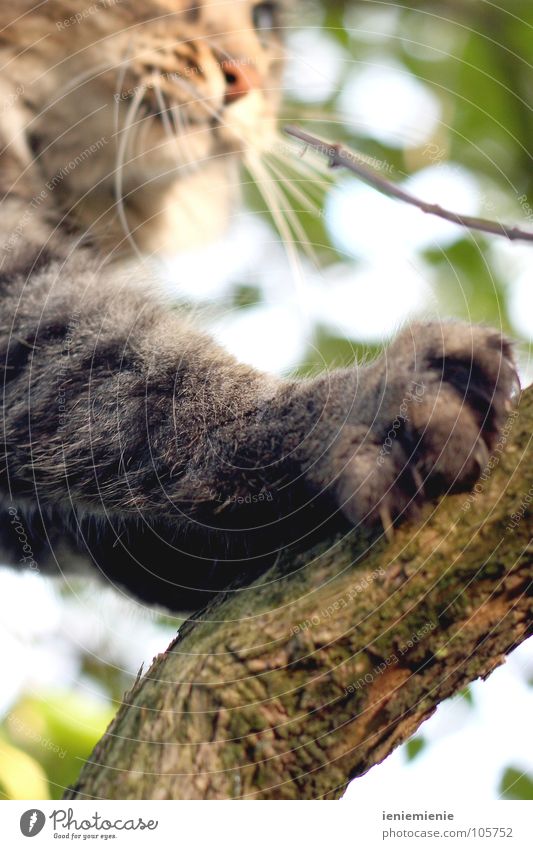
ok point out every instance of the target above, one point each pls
(246, 296)
(516, 784)
(467, 696)
(467, 286)
(58, 732)
(413, 747)
(21, 776)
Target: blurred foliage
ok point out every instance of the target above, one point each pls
(246, 296)
(44, 742)
(21, 776)
(475, 59)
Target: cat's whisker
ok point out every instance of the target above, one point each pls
(176, 119)
(292, 149)
(181, 123)
(142, 129)
(274, 189)
(283, 191)
(256, 167)
(304, 183)
(123, 66)
(307, 167)
(218, 114)
(181, 127)
(302, 180)
(294, 159)
(285, 220)
(290, 186)
(309, 113)
(163, 109)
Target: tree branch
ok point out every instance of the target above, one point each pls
(341, 157)
(292, 687)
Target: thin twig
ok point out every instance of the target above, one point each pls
(340, 157)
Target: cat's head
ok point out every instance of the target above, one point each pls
(137, 111)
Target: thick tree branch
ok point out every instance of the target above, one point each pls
(289, 689)
(341, 157)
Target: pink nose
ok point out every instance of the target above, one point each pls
(241, 78)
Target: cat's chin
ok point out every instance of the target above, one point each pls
(191, 211)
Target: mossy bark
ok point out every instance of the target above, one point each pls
(291, 688)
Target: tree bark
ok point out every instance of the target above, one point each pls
(302, 682)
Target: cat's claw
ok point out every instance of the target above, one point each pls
(386, 521)
(467, 388)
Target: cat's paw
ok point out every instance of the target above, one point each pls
(439, 398)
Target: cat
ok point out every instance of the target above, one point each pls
(131, 441)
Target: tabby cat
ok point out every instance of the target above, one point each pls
(130, 439)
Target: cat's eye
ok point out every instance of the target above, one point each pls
(264, 16)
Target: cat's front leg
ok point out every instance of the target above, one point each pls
(420, 422)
